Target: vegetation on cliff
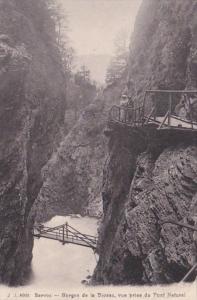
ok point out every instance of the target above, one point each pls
(151, 178)
(32, 105)
(51, 162)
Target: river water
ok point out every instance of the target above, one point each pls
(59, 269)
(62, 266)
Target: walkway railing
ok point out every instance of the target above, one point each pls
(127, 115)
(165, 113)
(66, 234)
(194, 268)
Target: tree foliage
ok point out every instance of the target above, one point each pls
(62, 39)
(119, 61)
(82, 75)
(79, 88)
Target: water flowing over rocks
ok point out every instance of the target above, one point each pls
(142, 179)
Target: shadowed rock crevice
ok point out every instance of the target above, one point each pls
(32, 106)
(146, 188)
(156, 179)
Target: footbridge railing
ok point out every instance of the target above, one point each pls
(65, 234)
(194, 267)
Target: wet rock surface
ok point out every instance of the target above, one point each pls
(31, 112)
(163, 46)
(158, 180)
(74, 174)
(73, 177)
(140, 191)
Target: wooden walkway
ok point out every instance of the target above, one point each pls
(66, 235)
(138, 116)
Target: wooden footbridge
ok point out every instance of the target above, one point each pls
(65, 234)
(167, 111)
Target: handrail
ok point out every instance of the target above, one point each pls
(189, 273)
(65, 231)
(84, 235)
(80, 236)
(129, 114)
(179, 224)
(173, 91)
(188, 227)
(49, 228)
(138, 117)
(61, 226)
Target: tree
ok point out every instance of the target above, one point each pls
(58, 16)
(119, 61)
(63, 42)
(82, 76)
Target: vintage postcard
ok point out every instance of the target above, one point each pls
(98, 149)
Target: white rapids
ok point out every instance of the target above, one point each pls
(62, 266)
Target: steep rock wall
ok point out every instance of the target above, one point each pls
(163, 46)
(32, 108)
(158, 181)
(73, 176)
(145, 184)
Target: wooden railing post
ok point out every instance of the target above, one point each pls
(125, 115)
(169, 108)
(141, 115)
(143, 107)
(66, 230)
(63, 235)
(190, 112)
(155, 107)
(163, 122)
(115, 115)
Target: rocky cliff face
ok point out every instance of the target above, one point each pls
(163, 46)
(145, 184)
(80, 93)
(32, 108)
(151, 177)
(73, 176)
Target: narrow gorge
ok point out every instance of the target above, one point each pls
(62, 156)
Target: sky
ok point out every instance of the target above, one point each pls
(94, 24)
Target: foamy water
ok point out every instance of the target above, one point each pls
(60, 269)
(62, 266)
